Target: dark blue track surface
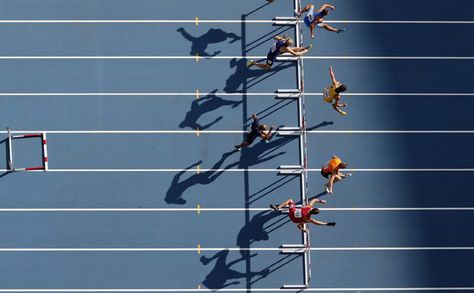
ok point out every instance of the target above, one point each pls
(420, 244)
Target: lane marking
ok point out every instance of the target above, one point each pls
(197, 57)
(197, 21)
(232, 94)
(199, 131)
(250, 170)
(246, 289)
(198, 169)
(200, 249)
(200, 209)
(197, 94)
(263, 21)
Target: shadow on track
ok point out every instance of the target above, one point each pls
(212, 36)
(219, 276)
(204, 105)
(244, 78)
(175, 192)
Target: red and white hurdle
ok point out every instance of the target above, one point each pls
(44, 141)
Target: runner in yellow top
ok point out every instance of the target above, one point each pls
(330, 170)
(332, 94)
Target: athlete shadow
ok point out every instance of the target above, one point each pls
(204, 105)
(322, 124)
(221, 274)
(259, 228)
(266, 37)
(249, 77)
(262, 152)
(212, 36)
(175, 192)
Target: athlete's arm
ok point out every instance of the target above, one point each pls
(316, 200)
(293, 52)
(278, 38)
(333, 77)
(327, 6)
(323, 223)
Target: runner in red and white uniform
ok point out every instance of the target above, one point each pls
(302, 215)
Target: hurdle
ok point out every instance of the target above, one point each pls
(44, 142)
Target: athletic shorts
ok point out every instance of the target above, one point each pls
(325, 175)
(270, 59)
(251, 136)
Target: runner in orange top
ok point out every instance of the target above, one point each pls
(331, 171)
(302, 215)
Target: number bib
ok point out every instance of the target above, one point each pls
(298, 213)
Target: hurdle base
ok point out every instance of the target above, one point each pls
(288, 94)
(294, 287)
(292, 249)
(289, 131)
(284, 20)
(290, 170)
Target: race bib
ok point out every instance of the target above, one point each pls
(298, 213)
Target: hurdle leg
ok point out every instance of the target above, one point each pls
(10, 150)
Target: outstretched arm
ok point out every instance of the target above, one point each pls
(278, 38)
(316, 200)
(327, 6)
(295, 52)
(333, 77)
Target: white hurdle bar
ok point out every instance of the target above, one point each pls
(10, 150)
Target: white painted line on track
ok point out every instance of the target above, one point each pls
(193, 210)
(193, 21)
(193, 132)
(381, 289)
(248, 170)
(235, 249)
(234, 57)
(229, 94)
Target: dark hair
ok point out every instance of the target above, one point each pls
(263, 127)
(343, 165)
(324, 12)
(341, 88)
(314, 211)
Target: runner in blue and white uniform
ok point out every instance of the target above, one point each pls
(282, 45)
(316, 18)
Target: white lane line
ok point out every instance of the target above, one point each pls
(234, 57)
(249, 170)
(381, 289)
(234, 249)
(147, 210)
(231, 94)
(193, 21)
(193, 132)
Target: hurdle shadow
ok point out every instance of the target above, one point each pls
(245, 78)
(267, 37)
(174, 194)
(212, 36)
(280, 104)
(259, 194)
(204, 105)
